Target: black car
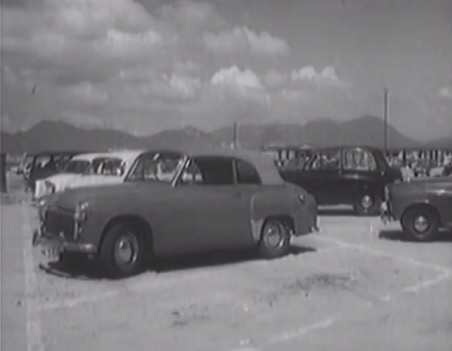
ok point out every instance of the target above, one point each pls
(347, 175)
(46, 164)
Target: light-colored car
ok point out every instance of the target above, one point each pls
(91, 169)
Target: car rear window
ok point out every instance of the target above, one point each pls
(209, 171)
(247, 173)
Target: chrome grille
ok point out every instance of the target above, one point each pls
(58, 221)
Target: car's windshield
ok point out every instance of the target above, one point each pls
(109, 166)
(78, 167)
(158, 166)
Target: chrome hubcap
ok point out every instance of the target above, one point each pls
(126, 250)
(421, 224)
(367, 202)
(274, 235)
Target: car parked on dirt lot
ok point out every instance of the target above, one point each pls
(45, 164)
(423, 206)
(346, 175)
(89, 169)
(179, 202)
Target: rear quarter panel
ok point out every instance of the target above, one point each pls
(283, 201)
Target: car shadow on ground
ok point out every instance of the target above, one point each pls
(397, 235)
(90, 269)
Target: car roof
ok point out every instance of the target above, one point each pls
(52, 153)
(263, 163)
(343, 147)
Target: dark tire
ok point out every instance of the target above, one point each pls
(420, 223)
(71, 259)
(122, 251)
(275, 239)
(367, 204)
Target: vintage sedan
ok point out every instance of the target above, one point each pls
(93, 169)
(423, 207)
(45, 164)
(346, 176)
(175, 202)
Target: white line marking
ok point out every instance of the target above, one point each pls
(302, 331)
(153, 285)
(427, 283)
(333, 248)
(34, 336)
(376, 252)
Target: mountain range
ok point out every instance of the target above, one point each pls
(366, 130)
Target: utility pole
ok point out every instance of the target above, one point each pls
(235, 141)
(386, 116)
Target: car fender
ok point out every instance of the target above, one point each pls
(281, 204)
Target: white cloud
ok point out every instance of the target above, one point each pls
(294, 95)
(234, 77)
(56, 29)
(327, 77)
(446, 92)
(242, 39)
(274, 79)
(88, 93)
(243, 83)
(188, 14)
(118, 43)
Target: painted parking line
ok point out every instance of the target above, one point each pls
(33, 321)
(138, 287)
(290, 335)
(443, 273)
(376, 252)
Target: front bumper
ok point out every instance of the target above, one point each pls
(43, 239)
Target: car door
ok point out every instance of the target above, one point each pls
(322, 175)
(209, 211)
(360, 173)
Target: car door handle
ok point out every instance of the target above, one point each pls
(238, 194)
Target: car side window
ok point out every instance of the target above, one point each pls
(137, 171)
(359, 160)
(43, 162)
(158, 166)
(208, 171)
(247, 173)
(325, 160)
(192, 174)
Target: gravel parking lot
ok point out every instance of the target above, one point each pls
(349, 287)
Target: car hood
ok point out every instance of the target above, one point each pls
(62, 179)
(94, 180)
(421, 184)
(105, 193)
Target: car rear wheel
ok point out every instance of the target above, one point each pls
(367, 204)
(122, 251)
(420, 224)
(275, 239)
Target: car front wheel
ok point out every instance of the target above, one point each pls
(367, 204)
(420, 224)
(122, 253)
(275, 239)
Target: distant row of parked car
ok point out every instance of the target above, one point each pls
(127, 207)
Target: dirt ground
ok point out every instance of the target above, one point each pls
(349, 287)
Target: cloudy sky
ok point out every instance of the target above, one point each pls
(147, 65)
